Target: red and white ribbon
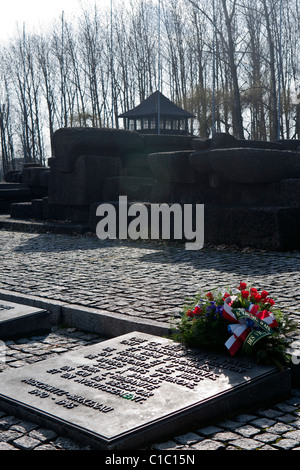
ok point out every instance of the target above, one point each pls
(239, 328)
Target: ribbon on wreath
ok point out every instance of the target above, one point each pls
(249, 325)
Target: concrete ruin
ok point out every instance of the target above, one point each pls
(250, 189)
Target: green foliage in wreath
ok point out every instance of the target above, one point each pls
(203, 324)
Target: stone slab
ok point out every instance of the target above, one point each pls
(135, 389)
(23, 225)
(17, 319)
(109, 324)
(13, 190)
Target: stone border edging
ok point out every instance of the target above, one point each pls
(89, 319)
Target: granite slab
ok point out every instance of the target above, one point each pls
(17, 319)
(137, 388)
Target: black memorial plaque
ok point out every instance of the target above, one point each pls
(18, 319)
(134, 389)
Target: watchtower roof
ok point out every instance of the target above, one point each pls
(149, 107)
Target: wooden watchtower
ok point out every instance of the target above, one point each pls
(157, 115)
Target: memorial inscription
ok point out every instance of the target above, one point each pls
(118, 389)
(136, 372)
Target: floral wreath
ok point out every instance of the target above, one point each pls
(256, 327)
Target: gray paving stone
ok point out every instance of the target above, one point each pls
(208, 444)
(285, 407)
(244, 418)
(45, 447)
(286, 444)
(270, 413)
(294, 400)
(168, 445)
(287, 418)
(9, 435)
(229, 424)
(43, 435)
(267, 447)
(66, 444)
(267, 437)
(6, 446)
(188, 438)
(26, 443)
(209, 430)
(296, 423)
(247, 430)
(24, 427)
(247, 444)
(225, 436)
(280, 428)
(7, 421)
(263, 422)
(22, 340)
(292, 435)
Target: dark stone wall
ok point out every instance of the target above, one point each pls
(251, 189)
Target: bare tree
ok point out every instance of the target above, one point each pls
(229, 17)
(254, 71)
(86, 72)
(7, 147)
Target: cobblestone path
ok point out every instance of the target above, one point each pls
(137, 279)
(153, 281)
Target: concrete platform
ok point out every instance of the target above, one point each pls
(35, 226)
(17, 319)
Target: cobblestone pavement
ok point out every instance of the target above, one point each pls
(153, 281)
(137, 279)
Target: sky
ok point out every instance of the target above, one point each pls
(37, 13)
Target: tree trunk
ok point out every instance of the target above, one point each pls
(238, 129)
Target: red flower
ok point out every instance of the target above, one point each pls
(190, 313)
(257, 297)
(253, 290)
(264, 294)
(210, 296)
(197, 310)
(245, 294)
(242, 286)
(270, 301)
(226, 295)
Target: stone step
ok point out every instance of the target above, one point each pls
(20, 225)
(13, 191)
